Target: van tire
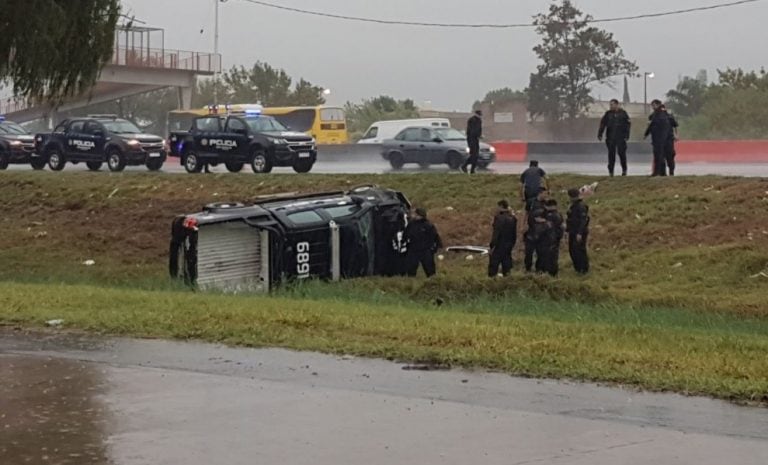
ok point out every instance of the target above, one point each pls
(234, 166)
(303, 166)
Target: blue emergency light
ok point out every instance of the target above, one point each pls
(2, 118)
(252, 112)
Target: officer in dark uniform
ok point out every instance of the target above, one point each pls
(532, 180)
(659, 128)
(503, 240)
(578, 232)
(670, 153)
(616, 126)
(552, 238)
(423, 242)
(474, 133)
(534, 237)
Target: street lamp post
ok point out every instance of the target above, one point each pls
(646, 75)
(217, 63)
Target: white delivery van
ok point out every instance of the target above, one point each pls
(383, 130)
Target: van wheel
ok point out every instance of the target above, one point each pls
(115, 161)
(37, 163)
(261, 163)
(455, 160)
(396, 160)
(234, 166)
(303, 166)
(4, 160)
(93, 165)
(192, 163)
(56, 159)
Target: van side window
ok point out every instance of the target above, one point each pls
(372, 133)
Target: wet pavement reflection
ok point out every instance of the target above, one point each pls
(51, 412)
(77, 399)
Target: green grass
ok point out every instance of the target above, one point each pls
(671, 303)
(658, 349)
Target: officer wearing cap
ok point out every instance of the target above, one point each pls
(503, 240)
(474, 133)
(423, 242)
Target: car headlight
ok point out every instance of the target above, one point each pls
(15, 143)
(133, 142)
(492, 149)
(466, 150)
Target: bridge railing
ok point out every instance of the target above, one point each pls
(167, 59)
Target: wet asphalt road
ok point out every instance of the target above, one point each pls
(67, 399)
(373, 165)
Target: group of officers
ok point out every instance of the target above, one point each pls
(543, 235)
(662, 127)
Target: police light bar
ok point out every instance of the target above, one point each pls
(252, 112)
(2, 118)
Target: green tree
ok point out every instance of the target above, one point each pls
(505, 94)
(734, 108)
(270, 86)
(361, 115)
(574, 57)
(52, 49)
(688, 97)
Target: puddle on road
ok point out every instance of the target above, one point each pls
(51, 412)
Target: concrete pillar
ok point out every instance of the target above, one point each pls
(185, 98)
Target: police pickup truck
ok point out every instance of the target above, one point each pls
(332, 235)
(97, 139)
(236, 139)
(17, 146)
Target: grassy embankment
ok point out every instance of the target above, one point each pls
(671, 303)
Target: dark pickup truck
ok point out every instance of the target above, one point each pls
(99, 139)
(234, 140)
(17, 146)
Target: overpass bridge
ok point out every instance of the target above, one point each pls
(135, 68)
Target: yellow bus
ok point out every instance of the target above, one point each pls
(327, 125)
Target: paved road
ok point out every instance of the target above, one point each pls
(372, 165)
(74, 400)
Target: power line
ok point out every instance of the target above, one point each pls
(490, 26)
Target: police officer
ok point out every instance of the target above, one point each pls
(503, 240)
(616, 126)
(423, 242)
(670, 153)
(659, 128)
(552, 238)
(474, 133)
(532, 180)
(534, 237)
(578, 232)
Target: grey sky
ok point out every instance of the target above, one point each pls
(452, 68)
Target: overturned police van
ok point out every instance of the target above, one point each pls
(252, 248)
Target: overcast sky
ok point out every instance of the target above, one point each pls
(452, 68)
